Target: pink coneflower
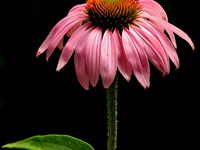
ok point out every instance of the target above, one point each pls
(111, 34)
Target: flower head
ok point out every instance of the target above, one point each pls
(111, 34)
(112, 13)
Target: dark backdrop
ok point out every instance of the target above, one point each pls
(37, 100)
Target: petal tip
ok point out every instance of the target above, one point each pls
(57, 70)
(86, 88)
(193, 47)
(38, 53)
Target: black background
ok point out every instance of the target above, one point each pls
(37, 100)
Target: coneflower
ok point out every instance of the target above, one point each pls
(111, 34)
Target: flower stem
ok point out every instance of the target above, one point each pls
(112, 114)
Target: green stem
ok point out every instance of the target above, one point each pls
(112, 114)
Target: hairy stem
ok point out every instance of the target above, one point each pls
(112, 114)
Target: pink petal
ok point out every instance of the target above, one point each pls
(108, 59)
(152, 7)
(77, 8)
(146, 0)
(153, 49)
(136, 56)
(60, 44)
(172, 37)
(92, 56)
(157, 8)
(168, 47)
(122, 62)
(171, 27)
(60, 29)
(80, 59)
(70, 46)
(73, 29)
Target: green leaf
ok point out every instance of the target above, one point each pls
(50, 142)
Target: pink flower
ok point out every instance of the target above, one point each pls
(111, 34)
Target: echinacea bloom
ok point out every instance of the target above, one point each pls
(111, 34)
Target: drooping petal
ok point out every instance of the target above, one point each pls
(142, 55)
(154, 50)
(145, 0)
(70, 46)
(73, 29)
(136, 57)
(60, 29)
(171, 27)
(92, 55)
(76, 9)
(122, 62)
(154, 6)
(80, 59)
(108, 59)
(60, 44)
(63, 28)
(156, 10)
(162, 38)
